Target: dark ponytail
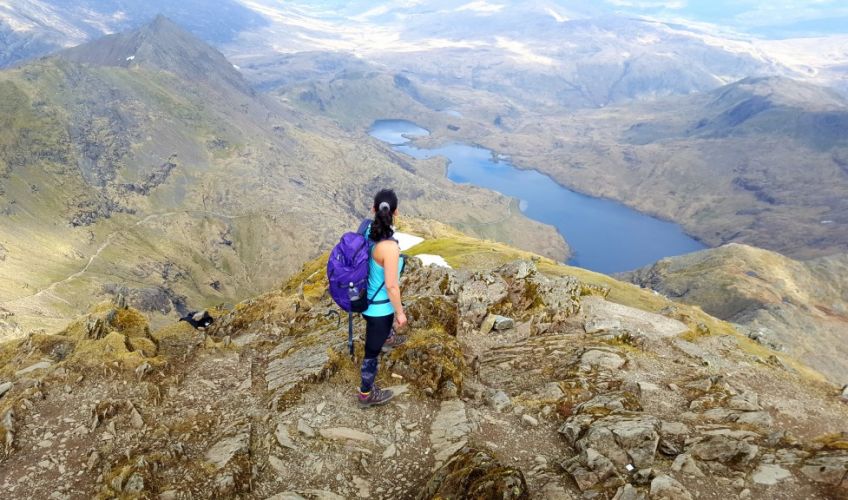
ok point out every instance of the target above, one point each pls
(385, 204)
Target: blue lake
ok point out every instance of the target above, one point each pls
(604, 235)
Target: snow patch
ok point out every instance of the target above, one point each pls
(481, 7)
(556, 15)
(522, 52)
(407, 241)
(130, 58)
(433, 260)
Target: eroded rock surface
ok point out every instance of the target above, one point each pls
(564, 403)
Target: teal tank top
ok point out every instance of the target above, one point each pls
(377, 281)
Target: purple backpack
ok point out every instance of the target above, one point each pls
(347, 274)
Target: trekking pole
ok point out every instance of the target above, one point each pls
(350, 333)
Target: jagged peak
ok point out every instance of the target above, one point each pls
(161, 44)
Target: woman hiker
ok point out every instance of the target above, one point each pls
(385, 313)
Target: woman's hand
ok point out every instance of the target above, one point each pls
(400, 321)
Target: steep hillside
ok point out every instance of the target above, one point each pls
(575, 394)
(796, 307)
(143, 164)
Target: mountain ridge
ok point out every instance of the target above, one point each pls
(798, 307)
(161, 44)
(577, 391)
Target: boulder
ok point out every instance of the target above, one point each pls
(686, 464)
(667, 488)
(475, 473)
(597, 358)
(610, 447)
(497, 323)
(727, 448)
(4, 388)
(503, 323)
(591, 469)
(628, 492)
(747, 401)
(488, 324)
(497, 399)
(828, 468)
(225, 450)
(626, 440)
(673, 437)
(477, 297)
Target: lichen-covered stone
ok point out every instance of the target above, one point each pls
(473, 473)
(433, 312)
(430, 359)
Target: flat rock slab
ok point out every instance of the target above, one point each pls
(346, 434)
(698, 352)
(667, 488)
(602, 359)
(449, 431)
(4, 388)
(299, 365)
(602, 314)
(283, 438)
(769, 474)
(43, 365)
(397, 390)
(224, 450)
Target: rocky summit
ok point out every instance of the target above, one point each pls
(520, 379)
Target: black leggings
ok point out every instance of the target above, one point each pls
(377, 330)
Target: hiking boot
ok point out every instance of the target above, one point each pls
(376, 397)
(393, 341)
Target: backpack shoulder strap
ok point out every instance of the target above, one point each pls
(363, 226)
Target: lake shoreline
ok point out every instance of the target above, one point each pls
(604, 234)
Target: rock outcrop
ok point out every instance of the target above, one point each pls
(472, 473)
(605, 401)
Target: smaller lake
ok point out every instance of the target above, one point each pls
(604, 235)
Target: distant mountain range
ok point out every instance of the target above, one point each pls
(574, 54)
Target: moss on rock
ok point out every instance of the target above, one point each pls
(431, 360)
(473, 473)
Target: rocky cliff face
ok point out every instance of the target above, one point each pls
(576, 395)
(797, 307)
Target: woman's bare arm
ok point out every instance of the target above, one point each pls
(390, 252)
